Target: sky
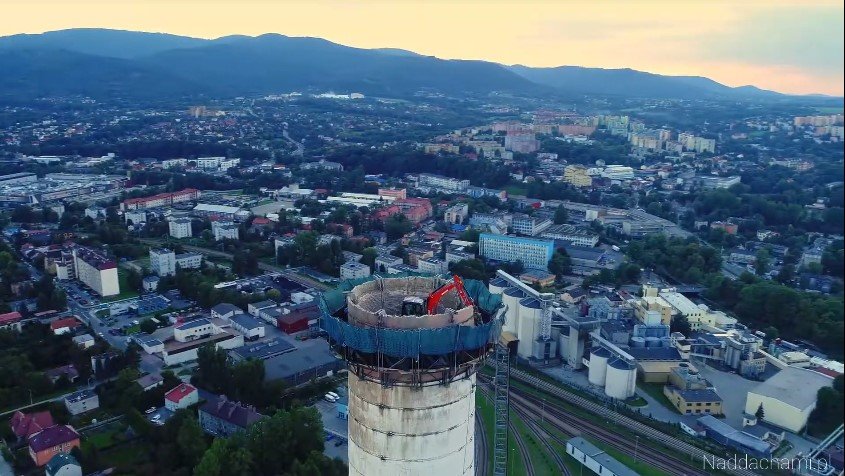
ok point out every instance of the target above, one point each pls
(789, 46)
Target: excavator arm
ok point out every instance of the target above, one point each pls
(457, 284)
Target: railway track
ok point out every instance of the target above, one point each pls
(641, 429)
(574, 425)
(545, 437)
(523, 450)
(482, 448)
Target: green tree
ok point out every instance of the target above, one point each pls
(397, 225)
(762, 259)
(561, 215)
(760, 413)
(368, 257)
(561, 263)
(191, 441)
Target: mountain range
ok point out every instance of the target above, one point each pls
(105, 64)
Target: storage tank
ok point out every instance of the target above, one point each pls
(498, 286)
(598, 366)
(652, 342)
(530, 313)
(637, 342)
(621, 379)
(510, 298)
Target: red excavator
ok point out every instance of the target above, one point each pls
(415, 306)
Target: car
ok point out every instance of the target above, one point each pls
(157, 416)
(150, 410)
(158, 422)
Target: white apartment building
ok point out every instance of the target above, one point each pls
(578, 236)
(96, 271)
(456, 214)
(189, 260)
(432, 265)
(528, 225)
(446, 184)
(225, 230)
(162, 261)
(172, 163)
(354, 270)
(180, 228)
(534, 254)
(135, 216)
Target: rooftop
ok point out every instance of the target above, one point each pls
(606, 461)
(177, 393)
(52, 437)
(794, 386)
(263, 350)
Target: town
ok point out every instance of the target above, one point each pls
(639, 286)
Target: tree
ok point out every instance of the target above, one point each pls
(368, 257)
(148, 326)
(397, 226)
(191, 441)
(771, 332)
(762, 259)
(760, 413)
(681, 324)
(829, 411)
(561, 215)
(561, 263)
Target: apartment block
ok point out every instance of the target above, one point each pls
(96, 271)
(533, 253)
(180, 228)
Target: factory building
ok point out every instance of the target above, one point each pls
(788, 397)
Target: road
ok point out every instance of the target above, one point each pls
(300, 149)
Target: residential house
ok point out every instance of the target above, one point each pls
(222, 417)
(51, 441)
(181, 396)
(25, 425)
(82, 401)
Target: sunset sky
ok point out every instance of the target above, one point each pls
(789, 46)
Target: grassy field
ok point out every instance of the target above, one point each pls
(543, 462)
(829, 110)
(125, 291)
(656, 391)
(515, 190)
(484, 408)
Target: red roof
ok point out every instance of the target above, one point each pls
(66, 322)
(827, 371)
(52, 437)
(179, 392)
(25, 425)
(9, 318)
(260, 221)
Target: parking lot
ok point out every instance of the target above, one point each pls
(337, 431)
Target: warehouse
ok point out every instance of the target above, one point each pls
(788, 397)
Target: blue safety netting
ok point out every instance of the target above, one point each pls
(409, 342)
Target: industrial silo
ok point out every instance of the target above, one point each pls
(621, 379)
(530, 314)
(637, 342)
(510, 298)
(411, 377)
(498, 285)
(652, 342)
(598, 366)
